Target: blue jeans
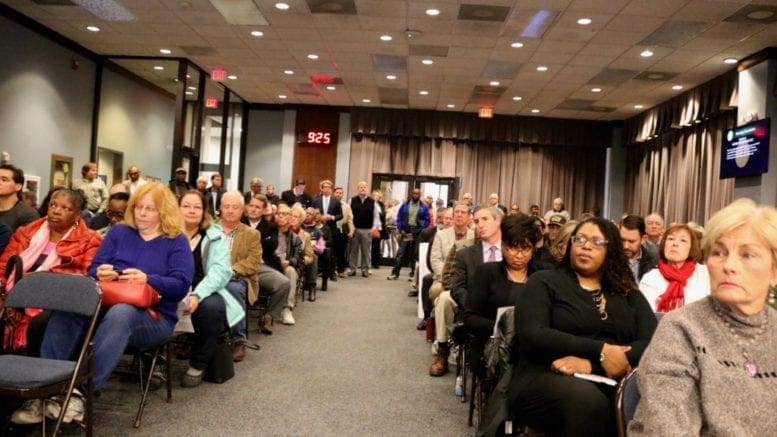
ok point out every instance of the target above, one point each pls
(238, 289)
(122, 325)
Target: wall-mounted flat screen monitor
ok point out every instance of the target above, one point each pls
(745, 150)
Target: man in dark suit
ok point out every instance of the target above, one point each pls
(214, 193)
(642, 257)
(487, 249)
(297, 195)
(330, 207)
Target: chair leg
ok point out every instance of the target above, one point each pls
(89, 394)
(463, 357)
(169, 371)
(145, 384)
(471, 414)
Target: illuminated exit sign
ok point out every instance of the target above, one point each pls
(211, 102)
(219, 75)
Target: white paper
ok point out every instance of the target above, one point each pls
(423, 270)
(184, 319)
(596, 378)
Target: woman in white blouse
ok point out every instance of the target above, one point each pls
(679, 278)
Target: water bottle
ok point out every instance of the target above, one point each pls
(458, 390)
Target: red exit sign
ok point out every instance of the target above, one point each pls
(211, 102)
(219, 75)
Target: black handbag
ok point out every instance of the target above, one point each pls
(221, 368)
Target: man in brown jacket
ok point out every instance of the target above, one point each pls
(246, 255)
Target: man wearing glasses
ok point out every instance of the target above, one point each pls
(133, 180)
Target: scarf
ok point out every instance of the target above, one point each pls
(674, 296)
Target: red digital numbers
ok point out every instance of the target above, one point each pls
(319, 137)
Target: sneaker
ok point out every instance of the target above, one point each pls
(192, 377)
(393, 277)
(286, 317)
(352, 273)
(75, 408)
(28, 413)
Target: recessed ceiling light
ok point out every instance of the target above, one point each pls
(231, 77)
(313, 56)
(257, 33)
(646, 53)
(730, 60)
(331, 87)
(450, 105)
(93, 28)
(494, 83)
(188, 76)
(677, 87)
(282, 96)
(289, 72)
(427, 62)
(391, 77)
(596, 90)
(584, 21)
(542, 68)
(517, 98)
(433, 12)
(158, 67)
(516, 45)
(386, 38)
(193, 88)
(423, 93)
(282, 6)
(638, 106)
(535, 111)
(189, 93)
(760, 15)
(165, 51)
(366, 101)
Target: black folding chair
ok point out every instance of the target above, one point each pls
(152, 355)
(23, 377)
(626, 400)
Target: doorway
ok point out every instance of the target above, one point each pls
(110, 166)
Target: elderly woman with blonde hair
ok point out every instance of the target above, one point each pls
(711, 367)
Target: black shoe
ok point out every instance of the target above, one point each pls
(312, 295)
(365, 274)
(333, 278)
(393, 277)
(352, 273)
(412, 293)
(421, 325)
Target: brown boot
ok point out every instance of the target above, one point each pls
(239, 353)
(440, 365)
(266, 327)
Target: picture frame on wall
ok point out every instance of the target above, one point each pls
(32, 184)
(61, 171)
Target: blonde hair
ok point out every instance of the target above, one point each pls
(762, 219)
(558, 245)
(298, 211)
(170, 217)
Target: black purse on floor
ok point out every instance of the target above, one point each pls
(221, 368)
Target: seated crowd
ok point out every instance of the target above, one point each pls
(208, 253)
(586, 294)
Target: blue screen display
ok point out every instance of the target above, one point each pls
(745, 150)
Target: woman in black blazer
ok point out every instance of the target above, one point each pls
(586, 317)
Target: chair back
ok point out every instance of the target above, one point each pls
(56, 291)
(626, 400)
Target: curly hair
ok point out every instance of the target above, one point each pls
(616, 274)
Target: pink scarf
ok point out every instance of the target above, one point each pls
(674, 296)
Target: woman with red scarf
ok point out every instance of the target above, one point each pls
(679, 278)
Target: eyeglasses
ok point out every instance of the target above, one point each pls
(580, 240)
(282, 213)
(148, 209)
(523, 249)
(115, 214)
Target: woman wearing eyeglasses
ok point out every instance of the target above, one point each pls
(586, 317)
(499, 283)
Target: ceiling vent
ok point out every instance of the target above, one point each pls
(389, 63)
(342, 7)
(765, 14)
(483, 13)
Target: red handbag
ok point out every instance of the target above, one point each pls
(139, 294)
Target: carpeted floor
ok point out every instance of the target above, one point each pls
(353, 365)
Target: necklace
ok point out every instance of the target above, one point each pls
(744, 343)
(513, 276)
(600, 301)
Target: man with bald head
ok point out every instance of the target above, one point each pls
(133, 180)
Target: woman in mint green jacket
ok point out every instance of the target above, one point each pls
(212, 307)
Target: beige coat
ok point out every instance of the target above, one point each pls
(246, 257)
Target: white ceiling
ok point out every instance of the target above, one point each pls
(689, 38)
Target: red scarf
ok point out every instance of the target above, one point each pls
(674, 296)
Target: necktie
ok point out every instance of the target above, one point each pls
(492, 254)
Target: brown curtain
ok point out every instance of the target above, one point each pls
(678, 173)
(523, 174)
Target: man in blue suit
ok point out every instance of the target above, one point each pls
(330, 207)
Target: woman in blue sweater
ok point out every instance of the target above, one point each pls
(149, 247)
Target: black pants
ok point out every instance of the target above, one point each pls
(210, 320)
(566, 406)
(35, 331)
(376, 255)
(426, 284)
(340, 251)
(406, 255)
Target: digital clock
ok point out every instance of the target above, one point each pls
(318, 137)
